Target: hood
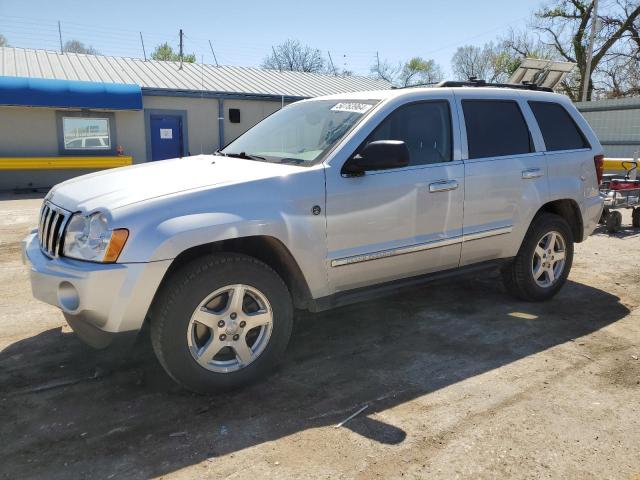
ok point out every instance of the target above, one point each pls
(116, 188)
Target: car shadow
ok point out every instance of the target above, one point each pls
(626, 231)
(64, 407)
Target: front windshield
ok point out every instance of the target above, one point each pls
(300, 132)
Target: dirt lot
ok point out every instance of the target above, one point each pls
(461, 382)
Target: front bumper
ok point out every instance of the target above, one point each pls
(99, 301)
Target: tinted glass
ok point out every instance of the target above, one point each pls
(424, 127)
(495, 128)
(558, 128)
(86, 133)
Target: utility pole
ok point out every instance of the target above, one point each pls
(213, 53)
(60, 35)
(592, 36)
(275, 57)
(143, 50)
(378, 60)
(181, 35)
(332, 65)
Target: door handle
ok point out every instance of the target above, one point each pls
(443, 186)
(532, 173)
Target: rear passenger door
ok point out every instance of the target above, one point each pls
(505, 174)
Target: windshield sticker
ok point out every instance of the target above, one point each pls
(352, 107)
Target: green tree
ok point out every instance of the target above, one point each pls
(3, 41)
(164, 52)
(418, 70)
(415, 71)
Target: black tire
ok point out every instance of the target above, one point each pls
(183, 292)
(614, 221)
(518, 275)
(635, 217)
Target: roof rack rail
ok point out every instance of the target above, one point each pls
(476, 82)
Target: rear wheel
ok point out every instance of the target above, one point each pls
(544, 260)
(220, 322)
(635, 217)
(614, 221)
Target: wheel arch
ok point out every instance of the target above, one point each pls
(569, 210)
(265, 248)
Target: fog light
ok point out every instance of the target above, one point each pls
(68, 297)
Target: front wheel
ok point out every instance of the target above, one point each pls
(544, 260)
(220, 322)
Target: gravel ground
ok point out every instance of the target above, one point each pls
(460, 380)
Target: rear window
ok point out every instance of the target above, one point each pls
(495, 128)
(558, 129)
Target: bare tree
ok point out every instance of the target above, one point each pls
(385, 70)
(564, 26)
(293, 56)
(3, 41)
(76, 46)
(492, 62)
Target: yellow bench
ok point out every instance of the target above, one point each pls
(56, 163)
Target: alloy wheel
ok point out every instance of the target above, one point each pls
(230, 328)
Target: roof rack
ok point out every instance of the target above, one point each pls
(476, 82)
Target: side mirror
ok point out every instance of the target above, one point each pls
(378, 155)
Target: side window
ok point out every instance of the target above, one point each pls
(558, 129)
(424, 127)
(495, 128)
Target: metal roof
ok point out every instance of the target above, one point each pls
(155, 75)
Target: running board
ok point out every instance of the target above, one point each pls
(389, 288)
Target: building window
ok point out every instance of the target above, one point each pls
(234, 115)
(85, 132)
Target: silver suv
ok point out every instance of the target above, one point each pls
(327, 202)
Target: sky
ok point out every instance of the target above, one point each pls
(242, 32)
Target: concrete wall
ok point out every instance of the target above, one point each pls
(26, 132)
(202, 120)
(616, 123)
(251, 112)
(30, 131)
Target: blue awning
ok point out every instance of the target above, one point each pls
(41, 92)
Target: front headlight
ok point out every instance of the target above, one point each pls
(88, 237)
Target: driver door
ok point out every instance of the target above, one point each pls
(402, 222)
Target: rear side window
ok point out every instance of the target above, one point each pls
(495, 128)
(558, 129)
(424, 127)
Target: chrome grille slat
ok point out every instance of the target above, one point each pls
(53, 221)
(51, 235)
(63, 226)
(45, 233)
(43, 211)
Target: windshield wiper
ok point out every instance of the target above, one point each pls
(291, 160)
(243, 155)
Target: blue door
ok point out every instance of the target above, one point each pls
(166, 136)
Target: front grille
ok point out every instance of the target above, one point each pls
(53, 221)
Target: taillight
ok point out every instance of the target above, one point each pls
(598, 161)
